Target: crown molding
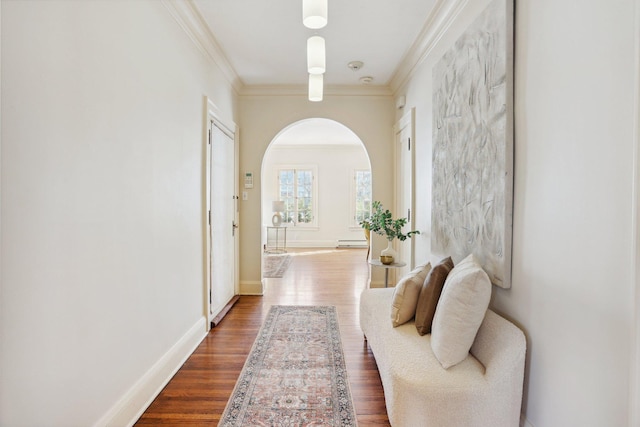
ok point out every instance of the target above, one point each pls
(302, 90)
(442, 15)
(191, 21)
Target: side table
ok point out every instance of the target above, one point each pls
(276, 240)
(395, 264)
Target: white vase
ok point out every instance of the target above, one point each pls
(388, 255)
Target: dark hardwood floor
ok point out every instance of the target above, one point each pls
(199, 391)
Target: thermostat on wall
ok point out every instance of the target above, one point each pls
(248, 180)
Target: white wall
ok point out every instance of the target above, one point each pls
(572, 290)
(102, 212)
(335, 165)
(262, 117)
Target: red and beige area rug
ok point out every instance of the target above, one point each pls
(295, 374)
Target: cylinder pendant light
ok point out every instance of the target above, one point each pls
(315, 87)
(314, 13)
(316, 60)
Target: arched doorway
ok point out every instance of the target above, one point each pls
(317, 172)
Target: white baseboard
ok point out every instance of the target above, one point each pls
(251, 288)
(135, 401)
(376, 284)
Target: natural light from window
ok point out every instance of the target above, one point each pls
(296, 190)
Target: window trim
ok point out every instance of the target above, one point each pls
(314, 191)
(353, 223)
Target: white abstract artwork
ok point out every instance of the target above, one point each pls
(472, 197)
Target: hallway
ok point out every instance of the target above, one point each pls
(198, 393)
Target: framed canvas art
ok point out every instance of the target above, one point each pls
(472, 197)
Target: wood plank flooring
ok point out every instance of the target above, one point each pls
(198, 393)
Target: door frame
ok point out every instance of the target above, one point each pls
(213, 115)
(407, 120)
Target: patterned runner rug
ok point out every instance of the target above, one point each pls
(295, 374)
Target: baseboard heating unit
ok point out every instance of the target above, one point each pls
(352, 244)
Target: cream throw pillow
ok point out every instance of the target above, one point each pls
(460, 311)
(405, 296)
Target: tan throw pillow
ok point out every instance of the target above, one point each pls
(405, 296)
(429, 295)
(460, 311)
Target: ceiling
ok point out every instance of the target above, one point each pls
(265, 41)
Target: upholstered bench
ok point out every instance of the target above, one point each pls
(484, 390)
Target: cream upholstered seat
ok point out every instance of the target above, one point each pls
(485, 389)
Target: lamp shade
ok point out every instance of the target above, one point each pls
(315, 87)
(316, 58)
(314, 13)
(277, 206)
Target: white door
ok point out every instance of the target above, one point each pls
(404, 188)
(222, 218)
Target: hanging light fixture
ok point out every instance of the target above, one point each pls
(314, 13)
(315, 87)
(316, 59)
(314, 16)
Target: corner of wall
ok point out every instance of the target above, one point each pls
(524, 422)
(634, 392)
(2, 322)
(248, 287)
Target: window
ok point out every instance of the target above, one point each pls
(361, 196)
(296, 187)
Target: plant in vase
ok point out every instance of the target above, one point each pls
(381, 222)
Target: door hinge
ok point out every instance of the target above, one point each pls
(209, 216)
(209, 142)
(408, 214)
(409, 145)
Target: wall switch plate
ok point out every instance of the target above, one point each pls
(245, 195)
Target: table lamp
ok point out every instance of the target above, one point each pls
(277, 207)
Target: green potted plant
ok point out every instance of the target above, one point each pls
(381, 222)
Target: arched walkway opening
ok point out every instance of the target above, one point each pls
(316, 187)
